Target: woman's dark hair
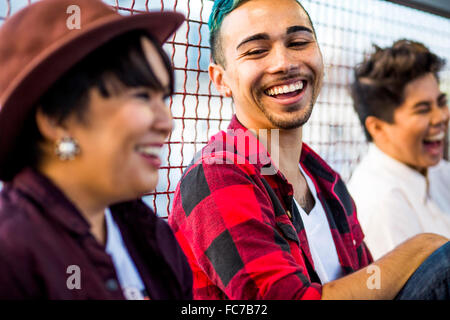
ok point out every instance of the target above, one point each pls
(380, 80)
(120, 61)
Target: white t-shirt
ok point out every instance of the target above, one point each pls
(320, 240)
(395, 202)
(127, 273)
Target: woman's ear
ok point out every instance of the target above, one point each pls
(48, 127)
(216, 74)
(376, 128)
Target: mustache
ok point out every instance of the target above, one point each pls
(291, 76)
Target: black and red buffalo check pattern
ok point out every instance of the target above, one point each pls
(233, 226)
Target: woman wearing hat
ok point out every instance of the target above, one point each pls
(82, 122)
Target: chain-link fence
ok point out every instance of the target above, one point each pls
(346, 30)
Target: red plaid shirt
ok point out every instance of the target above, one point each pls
(239, 240)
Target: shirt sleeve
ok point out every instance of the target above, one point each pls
(228, 223)
(391, 221)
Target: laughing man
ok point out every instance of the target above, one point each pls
(258, 213)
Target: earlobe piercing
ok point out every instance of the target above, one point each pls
(227, 92)
(67, 148)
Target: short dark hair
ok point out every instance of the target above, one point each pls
(380, 80)
(120, 61)
(219, 11)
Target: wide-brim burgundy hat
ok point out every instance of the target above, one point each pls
(42, 42)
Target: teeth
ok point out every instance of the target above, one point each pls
(436, 137)
(149, 150)
(285, 89)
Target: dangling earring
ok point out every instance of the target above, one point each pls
(67, 148)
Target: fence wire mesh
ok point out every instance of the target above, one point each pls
(346, 30)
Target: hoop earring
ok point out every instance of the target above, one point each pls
(67, 148)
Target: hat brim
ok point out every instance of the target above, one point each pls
(40, 74)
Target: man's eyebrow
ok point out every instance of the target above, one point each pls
(258, 36)
(294, 29)
(265, 36)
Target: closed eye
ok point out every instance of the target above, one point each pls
(256, 52)
(423, 108)
(142, 95)
(298, 44)
(442, 101)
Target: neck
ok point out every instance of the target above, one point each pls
(288, 145)
(392, 154)
(284, 146)
(91, 207)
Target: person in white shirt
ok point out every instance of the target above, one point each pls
(402, 186)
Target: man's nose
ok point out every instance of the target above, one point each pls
(281, 60)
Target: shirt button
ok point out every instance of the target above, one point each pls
(354, 242)
(112, 285)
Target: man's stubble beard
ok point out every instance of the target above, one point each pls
(290, 123)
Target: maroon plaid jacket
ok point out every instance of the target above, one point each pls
(232, 224)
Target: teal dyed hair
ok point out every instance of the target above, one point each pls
(220, 10)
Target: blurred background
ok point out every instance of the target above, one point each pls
(346, 30)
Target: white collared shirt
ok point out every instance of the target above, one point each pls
(395, 202)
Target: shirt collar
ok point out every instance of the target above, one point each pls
(308, 158)
(53, 201)
(407, 177)
(254, 149)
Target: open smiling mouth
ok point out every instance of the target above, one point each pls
(287, 91)
(149, 150)
(436, 141)
(151, 154)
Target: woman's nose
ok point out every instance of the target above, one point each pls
(163, 119)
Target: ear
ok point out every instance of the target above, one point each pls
(377, 128)
(48, 127)
(217, 76)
